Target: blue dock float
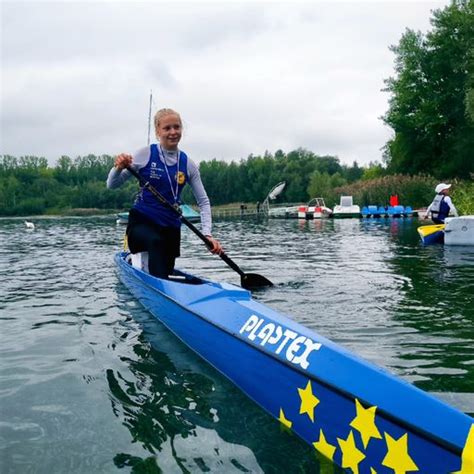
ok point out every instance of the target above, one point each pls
(388, 211)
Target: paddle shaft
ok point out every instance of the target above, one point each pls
(185, 221)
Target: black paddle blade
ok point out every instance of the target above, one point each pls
(252, 281)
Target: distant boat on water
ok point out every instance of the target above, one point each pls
(315, 209)
(346, 208)
(188, 212)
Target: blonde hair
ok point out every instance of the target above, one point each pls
(162, 113)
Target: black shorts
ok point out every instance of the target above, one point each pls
(142, 233)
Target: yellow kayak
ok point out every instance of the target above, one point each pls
(432, 234)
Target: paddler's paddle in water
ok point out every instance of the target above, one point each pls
(248, 281)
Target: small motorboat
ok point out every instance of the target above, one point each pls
(122, 218)
(357, 415)
(188, 212)
(346, 208)
(315, 209)
(284, 212)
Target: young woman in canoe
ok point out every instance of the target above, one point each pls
(152, 227)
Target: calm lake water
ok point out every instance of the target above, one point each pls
(90, 382)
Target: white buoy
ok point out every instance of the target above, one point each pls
(29, 225)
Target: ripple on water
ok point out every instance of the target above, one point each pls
(84, 368)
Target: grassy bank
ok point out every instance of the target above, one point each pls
(416, 191)
(463, 197)
(81, 211)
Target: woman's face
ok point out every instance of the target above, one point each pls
(169, 131)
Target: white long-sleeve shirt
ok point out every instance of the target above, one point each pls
(140, 159)
(447, 200)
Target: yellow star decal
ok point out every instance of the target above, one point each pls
(351, 456)
(324, 447)
(308, 401)
(283, 420)
(364, 423)
(467, 463)
(373, 471)
(397, 457)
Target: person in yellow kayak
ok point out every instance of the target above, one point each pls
(442, 205)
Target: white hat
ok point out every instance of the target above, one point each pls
(442, 187)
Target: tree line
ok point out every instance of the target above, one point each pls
(431, 108)
(28, 185)
(431, 112)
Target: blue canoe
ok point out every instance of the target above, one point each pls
(357, 415)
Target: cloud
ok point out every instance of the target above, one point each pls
(246, 77)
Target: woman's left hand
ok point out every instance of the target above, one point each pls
(216, 245)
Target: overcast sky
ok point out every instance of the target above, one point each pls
(246, 76)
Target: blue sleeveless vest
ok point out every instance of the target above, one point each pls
(439, 209)
(155, 173)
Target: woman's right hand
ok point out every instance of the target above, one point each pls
(216, 245)
(123, 160)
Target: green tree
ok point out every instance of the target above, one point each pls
(319, 185)
(352, 173)
(10, 193)
(373, 171)
(429, 102)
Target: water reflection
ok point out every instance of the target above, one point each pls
(438, 304)
(191, 419)
(75, 343)
(458, 256)
(161, 407)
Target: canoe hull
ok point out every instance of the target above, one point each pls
(431, 234)
(309, 401)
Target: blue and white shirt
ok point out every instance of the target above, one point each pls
(159, 166)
